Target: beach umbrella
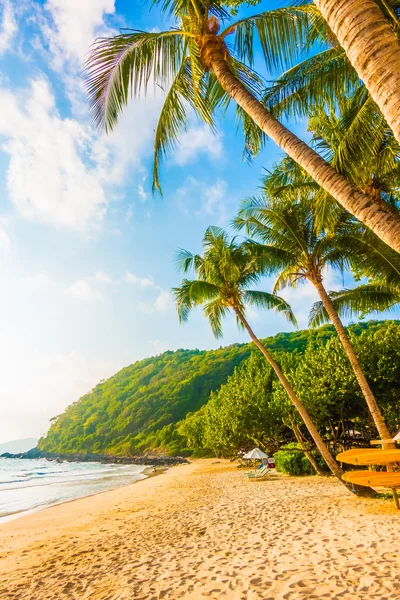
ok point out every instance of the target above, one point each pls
(255, 454)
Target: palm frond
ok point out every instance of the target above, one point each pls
(270, 301)
(215, 311)
(371, 257)
(356, 302)
(193, 293)
(283, 34)
(186, 261)
(174, 115)
(311, 83)
(123, 65)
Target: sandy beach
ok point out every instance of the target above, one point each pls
(203, 531)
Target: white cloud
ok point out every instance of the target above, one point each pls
(50, 383)
(102, 277)
(60, 172)
(73, 26)
(69, 28)
(197, 140)
(159, 346)
(47, 178)
(141, 281)
(40, 281)
(83, 290)
(204, 200)
(250, 312)
(5, 242)
(162, 301)
(131, 139)
(161, 304)
(8, 26)
(214, 200)
(63, 31)
(129, 213)
(142, 194)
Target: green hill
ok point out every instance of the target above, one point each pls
(136, 410)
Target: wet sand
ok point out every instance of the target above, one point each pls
(204, 531)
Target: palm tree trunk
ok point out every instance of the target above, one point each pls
(372, 48)
(300, 441)
(374, 409)
(330, 461)
(383, 223)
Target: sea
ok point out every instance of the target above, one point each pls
(30, 485)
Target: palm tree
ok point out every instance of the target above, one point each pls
(202, 73)
(370, 39)
(292, 245)
(372, 165)
(223, 274)
(372, 259)
(326, 75)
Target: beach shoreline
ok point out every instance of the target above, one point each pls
(201, 530)
(147, 471)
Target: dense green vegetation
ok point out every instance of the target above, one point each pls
(138, 409)
(133, 410)
(292, 462)
(253, 409)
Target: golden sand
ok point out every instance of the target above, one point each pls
(203, 531)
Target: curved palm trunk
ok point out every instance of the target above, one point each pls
(372, 48)
(302, 445)
(330, 461)
(374, 409)
(383, 223)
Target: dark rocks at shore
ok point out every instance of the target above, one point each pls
(159, 460)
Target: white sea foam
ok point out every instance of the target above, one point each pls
(28, 485)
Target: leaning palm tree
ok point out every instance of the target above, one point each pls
(353, 137)
(224, 273)
(290, 244)
(368, 30)
(325, 75)
(372, 259)
(202, 73)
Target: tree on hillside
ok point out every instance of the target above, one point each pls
(201, 73)
(224, 273)
(370, 38)
(289, 243)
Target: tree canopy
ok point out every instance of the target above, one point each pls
(142, 408)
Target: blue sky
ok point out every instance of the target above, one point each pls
(86, 251)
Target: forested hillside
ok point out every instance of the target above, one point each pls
(137, 409)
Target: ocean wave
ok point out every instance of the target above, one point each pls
(23, 489)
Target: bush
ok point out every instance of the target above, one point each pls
(292, 463)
